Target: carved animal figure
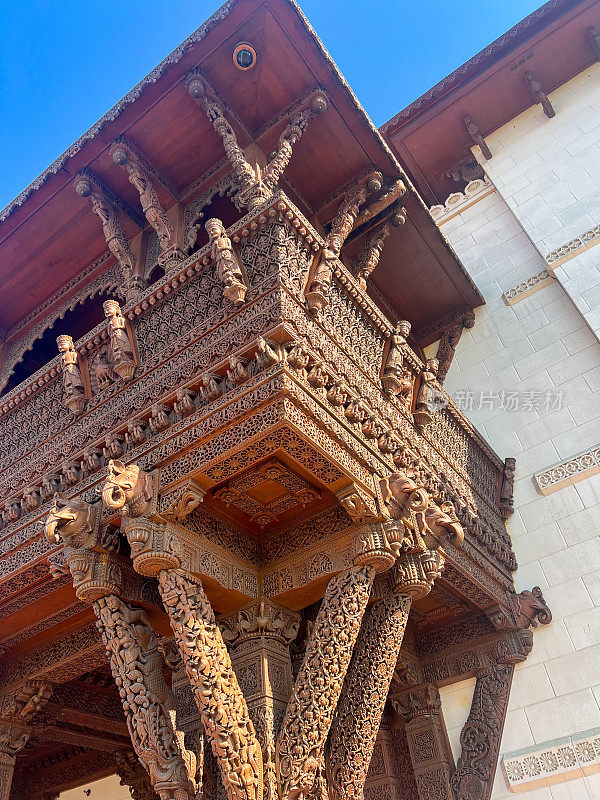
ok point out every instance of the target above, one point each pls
(127, 488)
(70, 521)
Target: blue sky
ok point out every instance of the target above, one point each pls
(64, 64)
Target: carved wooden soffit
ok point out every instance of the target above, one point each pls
(142, 178)
(263, 619)
(449, 342)
(476, 136)
(594, 39)
(134, 153)
(538, 95)
(255, 184)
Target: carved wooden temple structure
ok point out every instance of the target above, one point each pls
(245, 535)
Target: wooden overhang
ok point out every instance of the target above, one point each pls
(430, 137)
(48, 234)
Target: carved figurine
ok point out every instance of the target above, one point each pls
(184, 404)
(538, 95)
(136, 433)
(429, 400)
(266, 355)
(71, 375)
(128, 489)
(476, 136)
(72, 522)
(237, 372)
(397, 379)
(228, 268)
(159, 418)
(507, 488)
(120, 344)
(210, 389)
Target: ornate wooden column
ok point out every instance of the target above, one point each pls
(217, 693)
(427, 741)
(133, 775)
(103, 578)
(259, 638)
(16, 710)
(482, 733)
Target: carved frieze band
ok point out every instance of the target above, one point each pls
(569, 250)
(568, 472)
(527, 287)
(459, 201)
(553, 762)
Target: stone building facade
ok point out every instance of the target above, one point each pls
(525, 222)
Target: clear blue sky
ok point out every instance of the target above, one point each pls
(64, 63)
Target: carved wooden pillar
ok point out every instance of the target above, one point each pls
(427, 741)
(216, 689)
(365, 693)
(317, 690)
(99, 577)
(133, 775)
(482, 733)
(259, 637)
(390, 771)
(17, 708)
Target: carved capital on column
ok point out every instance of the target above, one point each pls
(538, 95)
(263, 619)
(130, 490)
(95, 574)
(341, 225)
(376, 546)
(422, 701)
(153, 545)
(121, 341)
(75, 395)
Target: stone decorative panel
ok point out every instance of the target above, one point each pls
(553, 762)
(573, 248)
(459, 201)
(527, 287)
(569, 471)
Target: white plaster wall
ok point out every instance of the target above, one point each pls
(541, 343)
(105, 789)
(548, 171)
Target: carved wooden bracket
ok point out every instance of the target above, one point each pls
(538, 95)
(125, 156)
(449, 342)
(477, 137)
(507, 488)
(594, 39)
(229, 265)
(122, 341)
(371, 253)
(256, 185)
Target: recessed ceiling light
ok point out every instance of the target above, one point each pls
(244, 56)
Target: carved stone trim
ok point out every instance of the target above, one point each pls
(569, 471)
(527, 287)
(553, 762)
(565, 252)
(309, 715)
(457, 202)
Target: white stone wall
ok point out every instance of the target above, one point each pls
(105, 789)
(548, 171)
(540, 344)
